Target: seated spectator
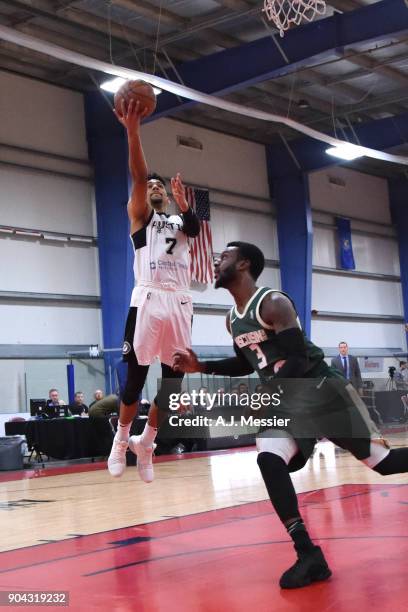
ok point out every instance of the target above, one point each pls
(401, 377)
(105, 407)
(98, 395)
(203, 403)
(78, 407)
(234, 396)
(54, 398)
(243, 389)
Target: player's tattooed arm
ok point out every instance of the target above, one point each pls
(138, 208)
(277, 312)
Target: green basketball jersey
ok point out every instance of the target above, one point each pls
(257, 340)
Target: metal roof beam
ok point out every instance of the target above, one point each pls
(379, 134)
(373, 66)
(260, 60)
(90, 24)
(151, 12)
(235, 5)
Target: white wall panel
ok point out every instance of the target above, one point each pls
(324, 247)
(225, 162)
(210, 330)
(48, 267)
(23, 324)
(359, 295)
(374, 254)
(362, 196)
(270, 277)
(12, 386)
(41, 116)
(369, 335)
(371, 253)
(228, 225)
(43, 201)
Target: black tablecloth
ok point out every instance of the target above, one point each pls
(389, 405)
(66, 438)
(15, 428)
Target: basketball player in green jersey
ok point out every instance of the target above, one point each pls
(267, 334)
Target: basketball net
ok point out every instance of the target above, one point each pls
(284, 13)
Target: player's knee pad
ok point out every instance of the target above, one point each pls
(378, 452)
(169, 386)
(132, 392)
(270, 462)
(284, 447)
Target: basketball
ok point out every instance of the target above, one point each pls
(138, 91)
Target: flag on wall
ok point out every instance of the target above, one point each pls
(346, 247)
(201, 251)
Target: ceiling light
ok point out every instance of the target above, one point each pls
(345, 151)
(113, 85)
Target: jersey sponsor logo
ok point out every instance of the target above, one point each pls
(253, 337)
(126, 348)
(167, 265)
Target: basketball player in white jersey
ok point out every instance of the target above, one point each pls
(160, 314)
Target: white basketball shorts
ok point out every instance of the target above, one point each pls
(163, 323)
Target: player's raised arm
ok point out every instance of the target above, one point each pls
(138, 208)
(191, 225)
(278, 312)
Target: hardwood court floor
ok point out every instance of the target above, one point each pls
(201, 537)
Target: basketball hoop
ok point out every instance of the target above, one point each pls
(284, 13)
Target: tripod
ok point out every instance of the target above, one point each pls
(391, 385)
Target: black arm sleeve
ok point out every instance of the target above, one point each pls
(191, 223)
(292, 344)
(234, 366)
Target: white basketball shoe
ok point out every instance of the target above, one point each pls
(117, 458)
(144, 456)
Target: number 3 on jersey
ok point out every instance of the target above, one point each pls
(172, 242)
(260, 355)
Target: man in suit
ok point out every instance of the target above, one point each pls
(348, 366)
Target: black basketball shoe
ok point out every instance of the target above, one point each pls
(310, 567)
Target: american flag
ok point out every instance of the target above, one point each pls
(201, 251)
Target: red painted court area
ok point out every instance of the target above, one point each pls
(231, 559)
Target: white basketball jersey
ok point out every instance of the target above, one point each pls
(162, 253)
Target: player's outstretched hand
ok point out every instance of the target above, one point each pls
(186, 361)
(131, 116)
(179, 192)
